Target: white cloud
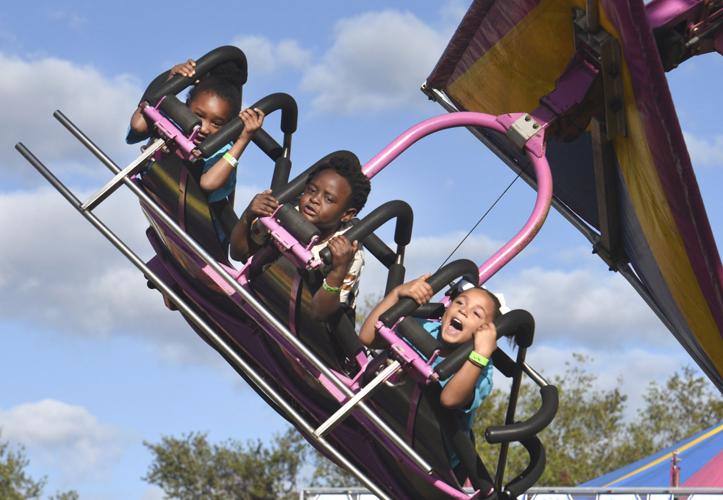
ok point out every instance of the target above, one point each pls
(265, 56)
(583, 307)
(71, 19)
(378, 61)
(704, 151)
(425, 254)
(636, 368)
(31, 90)
(64, 435)
(58, 272)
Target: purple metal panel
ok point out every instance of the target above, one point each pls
(667, 147)
(484, 24)
(668, 12)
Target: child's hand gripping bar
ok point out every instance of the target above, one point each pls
(268, 104)
(162, 86)
(443, 277)
(376, 218)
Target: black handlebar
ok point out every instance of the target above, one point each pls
(161, 86)
(294, 222)
(395, 208)
(523, 430)
(443, 277)
(527, 478)
(180, 113)
(268, 104)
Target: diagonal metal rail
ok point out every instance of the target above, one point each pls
(212, 335)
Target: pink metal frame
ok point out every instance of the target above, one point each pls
(286, 243)
(534, 150)
(302, 256)
(170, 132)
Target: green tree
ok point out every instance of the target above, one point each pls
(683, 406)
(589, 435)
(15, 483)
(584, 434)
(330, 475)
(192, 468)
(66, 495)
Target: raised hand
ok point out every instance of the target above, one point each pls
(253, 119)
(417, 289)
(342, 252)
(263, 204)
(187, 69)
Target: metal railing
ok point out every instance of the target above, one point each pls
(548, 493)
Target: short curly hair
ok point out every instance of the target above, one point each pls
(347, 166)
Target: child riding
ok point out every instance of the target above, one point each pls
(470, 315)
(335, 192)
(215, 99)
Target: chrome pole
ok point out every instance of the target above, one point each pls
(249, 298)
(217, 340)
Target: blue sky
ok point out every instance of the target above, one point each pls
(92, 364)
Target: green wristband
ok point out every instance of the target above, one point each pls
(231, 159)
(328, 288)
(477, 359)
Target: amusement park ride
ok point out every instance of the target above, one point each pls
(565, 91)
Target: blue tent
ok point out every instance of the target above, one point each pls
(700, 461)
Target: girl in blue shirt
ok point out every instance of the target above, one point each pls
(470, 315)
(215, 99)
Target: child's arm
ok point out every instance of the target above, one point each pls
(325, 301)
(458, 392)
(218, 173)
(242, 245)
(139, 125)
(417, 289)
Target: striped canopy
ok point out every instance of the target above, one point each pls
(505, 56)
(700, 459)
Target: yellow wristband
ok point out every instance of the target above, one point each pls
(230, 159)
(477, 359)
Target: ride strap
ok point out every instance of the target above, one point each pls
(294, 298)
(182, 184)
(414, 400)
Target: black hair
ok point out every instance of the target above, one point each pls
(458, 290)
(225, 81)
(349, 168)
(495, 301)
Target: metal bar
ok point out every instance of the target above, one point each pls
(115, 182)
(610, 246)
(534, 375)
(211, 334)
(592, 15)
(562, 209)
(624, 490)
(78, 134)
(368, 389)
(552, 490)
(252, 301)
(510, 417)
